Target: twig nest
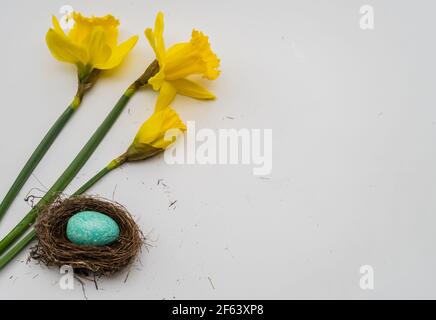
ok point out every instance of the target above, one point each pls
(55, 249)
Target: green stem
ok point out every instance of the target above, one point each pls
(80, 159)
(84, 85)
(17, 248)
(92, 181)
(111, 166)
(35, 158)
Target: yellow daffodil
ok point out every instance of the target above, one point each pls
(179, 62)
(152, 131)
(152, 136)
(92, 43)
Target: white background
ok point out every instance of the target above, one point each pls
(354, 126)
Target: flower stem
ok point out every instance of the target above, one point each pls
(79, 161)
(92, 181)
(84, 85)
(35, 158)
(17, 248)
(111, 166)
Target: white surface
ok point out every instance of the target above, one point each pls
(354, 125)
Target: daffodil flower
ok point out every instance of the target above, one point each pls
(179, 62)
(91, 44)
(152, 137)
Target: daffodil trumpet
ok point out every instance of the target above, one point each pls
(154, 136)
(92, 46)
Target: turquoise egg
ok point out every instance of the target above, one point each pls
(92, 228)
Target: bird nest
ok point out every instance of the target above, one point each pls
(54, 248)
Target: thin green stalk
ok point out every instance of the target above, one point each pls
(111, 166)
(17, 248)
(92, 181)
(80, 159)
(34, 159)
(84, 85)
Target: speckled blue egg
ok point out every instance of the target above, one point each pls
(92, 228)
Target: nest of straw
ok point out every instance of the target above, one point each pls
(54, 248)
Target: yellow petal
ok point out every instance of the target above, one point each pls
(155, 38)
(56, 25)
(167, 94)
(191, 89)
(157, 80)
(119, 53)
(149, 34)
(64, 50)
(158, 33)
